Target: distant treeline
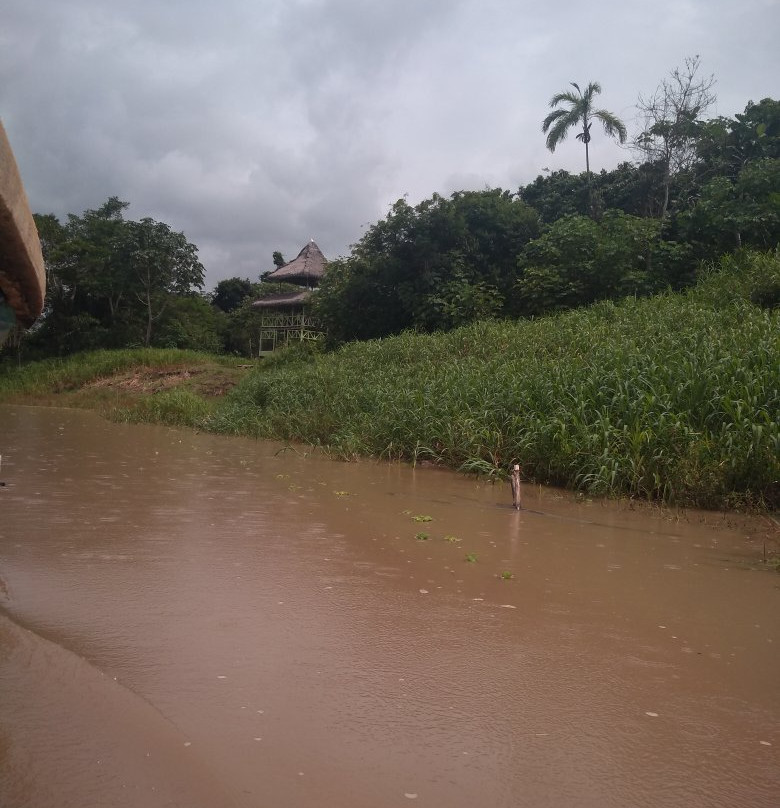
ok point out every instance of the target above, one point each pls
(565, 240)
(560, 242)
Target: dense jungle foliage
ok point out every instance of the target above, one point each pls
(564, 240)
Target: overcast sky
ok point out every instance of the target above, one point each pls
(255, 125)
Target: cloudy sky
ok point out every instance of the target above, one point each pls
(254, 125)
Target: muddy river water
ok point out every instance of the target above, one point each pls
(189, 620)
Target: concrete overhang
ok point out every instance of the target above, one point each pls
(22, 273)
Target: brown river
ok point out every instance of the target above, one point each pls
(200, 621)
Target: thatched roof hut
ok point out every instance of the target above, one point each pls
(285, 317)
(306, 269)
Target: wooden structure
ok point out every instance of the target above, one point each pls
(515, 483)
(285, 317)
(22, 274)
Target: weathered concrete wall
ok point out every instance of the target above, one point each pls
(22, 274)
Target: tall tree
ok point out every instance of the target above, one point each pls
(87, 292)
(576, 110)
(671, 116)
(230, 293)
(724, 146)
(163, 264)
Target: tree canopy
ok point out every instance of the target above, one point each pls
(110, 281)
(564, 240)
(435, 265)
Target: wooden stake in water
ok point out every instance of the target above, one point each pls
(515, 481)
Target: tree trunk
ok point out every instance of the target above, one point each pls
(585, 140)
(665, 206)
(148, 321)
(587, 160)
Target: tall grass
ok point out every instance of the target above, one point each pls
(674, 398)
(175, 407)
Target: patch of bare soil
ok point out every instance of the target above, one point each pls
(144, 381)
(207, 382)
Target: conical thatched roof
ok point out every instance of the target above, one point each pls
(306, 269)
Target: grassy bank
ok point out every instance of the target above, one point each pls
(132, 384)
(673, 398)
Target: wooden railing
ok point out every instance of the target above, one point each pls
(280, 330)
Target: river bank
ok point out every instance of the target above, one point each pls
(671, 399)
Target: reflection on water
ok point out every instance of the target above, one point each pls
(192, 620)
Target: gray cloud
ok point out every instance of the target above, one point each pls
(254, 126)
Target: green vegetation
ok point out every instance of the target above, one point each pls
(113, 283)
(120, 383)
(672, 398)
(471, 558)
(422, 536)
(703, 189)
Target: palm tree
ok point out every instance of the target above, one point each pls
(580, 112)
